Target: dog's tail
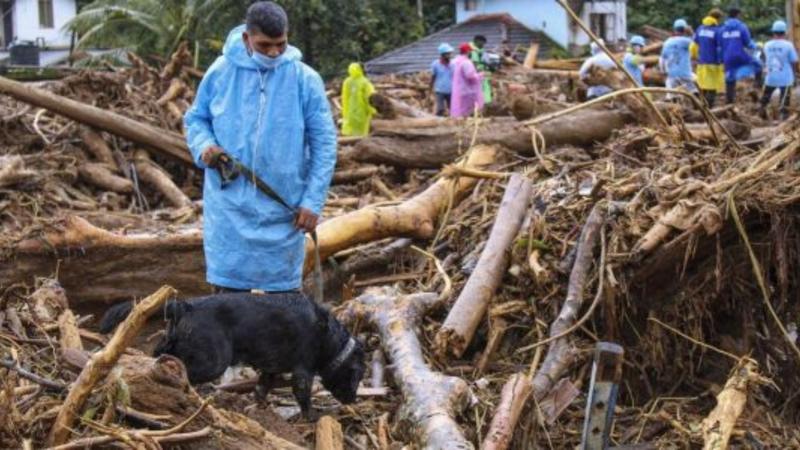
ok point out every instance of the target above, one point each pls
(114, 316)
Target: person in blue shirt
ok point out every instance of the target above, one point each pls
(633, 59)
(675, 59)
(260, 104)
(707, 52)
(442, 78)
(736, 42)
(781, 58)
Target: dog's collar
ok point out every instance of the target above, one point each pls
(345, 353)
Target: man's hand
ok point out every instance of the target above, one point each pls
(210, 156)
(306, 220)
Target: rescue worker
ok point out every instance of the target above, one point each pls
(599, 59)
(442, 78)
(260, 104)
(476, 55)
(675, 60)
(633, 60)
(357, 112)
(735, 43)
(467, 94)
(781, 65)
(706, 49)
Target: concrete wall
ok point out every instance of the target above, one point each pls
(549, 17)
(541, 15)
(616, 22)
(26, 22)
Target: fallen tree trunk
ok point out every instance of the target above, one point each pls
(98, 147)
(391, 108)
(560, 354)
(159, 179)
(430, 400)
(435, 147)
(100, 175)
(718, 426)
(120, 266)
(415, 217)
(468, 311)
(163, 141)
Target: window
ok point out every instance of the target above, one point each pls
(470, 5)
(46, 14)
(598, 23)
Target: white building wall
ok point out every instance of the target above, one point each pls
(26, 22)
(548, 16)
(617, 25)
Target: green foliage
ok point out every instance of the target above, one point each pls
(330, 33)
(758, 14)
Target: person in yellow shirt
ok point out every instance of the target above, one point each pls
(707, 51)
(356, 110)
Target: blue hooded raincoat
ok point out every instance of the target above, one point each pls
(276, 120)
(735, 43)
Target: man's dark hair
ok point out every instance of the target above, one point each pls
(479, 37)
(267, 18)
(734, 11)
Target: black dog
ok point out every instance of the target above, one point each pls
(275, 333)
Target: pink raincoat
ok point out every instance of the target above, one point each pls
(467, 90)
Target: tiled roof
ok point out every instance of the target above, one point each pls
(417, 56)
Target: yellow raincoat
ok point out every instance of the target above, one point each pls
(356, 110)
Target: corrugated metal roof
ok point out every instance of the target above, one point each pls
(417, 57)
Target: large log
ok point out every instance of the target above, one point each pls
(468, 311)
(96, 265)
(415, 217)
(435, 147)
(162, 141)
(431, 400)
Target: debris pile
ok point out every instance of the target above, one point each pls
(480, 260)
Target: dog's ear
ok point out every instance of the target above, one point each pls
(176, 309)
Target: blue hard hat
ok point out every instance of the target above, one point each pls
(638, 40)
(779, 26)
(445, 48)
(680, 24)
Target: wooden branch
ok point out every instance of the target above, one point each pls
(468, 311)
(95, 441)
(100, 175)
(102, 362)
(158, 178)
(328, 434)
(175, 90)
(560, 354)
(98, 147)
(415, 217)
(431, 399)
(28, 375)
(355, 175)
(163, 141)
(718, 426)
(70, 337)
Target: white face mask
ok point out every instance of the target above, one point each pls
(264, 61)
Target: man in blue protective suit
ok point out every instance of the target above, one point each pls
(262, 106)
(736, 42)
